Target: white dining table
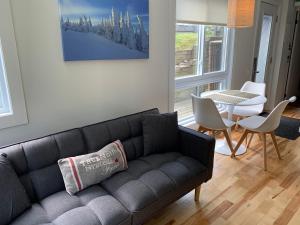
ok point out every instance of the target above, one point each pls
(231, 99)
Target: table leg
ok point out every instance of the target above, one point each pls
(222, 146)
(230, 112)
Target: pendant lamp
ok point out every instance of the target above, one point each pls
(240, 13)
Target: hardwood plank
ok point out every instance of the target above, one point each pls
(241, 193)
(248, 196)
(287, 182)
(210, 217)
(289, 211)
(218, 211)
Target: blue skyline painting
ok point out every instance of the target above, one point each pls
(105, 29)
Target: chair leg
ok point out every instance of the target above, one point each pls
(260, 138)
(200, 129)
(197, 193)
(236, 125)
(249, 143)
(275, 145)
(213, 134)
(265, 151)
(240, 142)
(228, 139)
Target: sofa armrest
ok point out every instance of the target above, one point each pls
(198, 146)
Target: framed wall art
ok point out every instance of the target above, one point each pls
(104, 29)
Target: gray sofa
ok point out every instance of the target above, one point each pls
(129, 197)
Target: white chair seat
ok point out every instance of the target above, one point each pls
(263, 126)
(255, 88)
(228, 123)
(252, 123)
(246, 111)
(208, 118)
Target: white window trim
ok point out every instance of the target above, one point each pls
(224, 74)
(11, 69)
(6, 100)
(213, 77)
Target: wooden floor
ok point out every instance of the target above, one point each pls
(242, 193)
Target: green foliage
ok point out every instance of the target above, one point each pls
(186, 40)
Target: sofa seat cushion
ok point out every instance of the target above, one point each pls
(149, 178)
(92, 206)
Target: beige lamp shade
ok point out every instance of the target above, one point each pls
(240, 13)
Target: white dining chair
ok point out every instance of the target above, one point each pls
(208, 118)
(255, 88)
(263, 126)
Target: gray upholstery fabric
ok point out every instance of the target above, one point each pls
(36, 215)
(150, 178)
(13, 197)
(160, 133)
(92, 206)
(36, 161)
(140, 217)
(198, 146)
(129, 197)
(127, 129)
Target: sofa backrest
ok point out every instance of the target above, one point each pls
(36, 161)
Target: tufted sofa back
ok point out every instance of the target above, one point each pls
(36, 161)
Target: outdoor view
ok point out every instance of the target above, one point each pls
(183, 100)
(187, 40)
(190, 58)
(199, 51)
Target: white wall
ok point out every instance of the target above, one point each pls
(62, 95)
(242, 57)
(244, 53)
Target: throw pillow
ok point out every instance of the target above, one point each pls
(14, 199)
(160, 133)
(83, 171)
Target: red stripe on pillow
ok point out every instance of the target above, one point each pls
(120, 147)
(120, 151)
(75, 174)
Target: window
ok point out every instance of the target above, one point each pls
(201, 63)
(187, 40)
(183, 100)
(214, 48)
(200, 49)
(5, 105)
(12, 101)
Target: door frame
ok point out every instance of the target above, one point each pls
(287, 91)
(272, 50)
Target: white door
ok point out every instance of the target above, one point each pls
(263, 66)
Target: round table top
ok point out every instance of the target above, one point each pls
(255, 100)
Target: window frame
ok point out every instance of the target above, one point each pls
(195, 80)
(12, 72)
(4, 89)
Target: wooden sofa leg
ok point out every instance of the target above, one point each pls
(197, 193)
